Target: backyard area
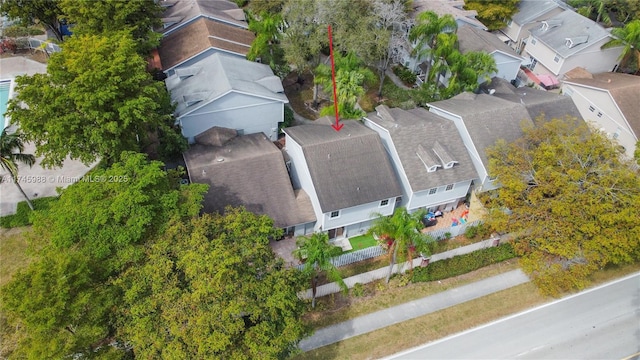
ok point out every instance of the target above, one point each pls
(362, 242)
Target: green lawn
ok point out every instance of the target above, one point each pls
(362, 242)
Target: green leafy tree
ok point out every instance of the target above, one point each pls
(401, 233)
(597, 10)
(636, 154)
(12, 154)
(268, 6)
(444, 55)
(213, 289)
(427, 32)
(494, 14)
(96, 100)
(572, 201)
(317, 253)
(268, 30)
(65, 302)
(30, 12)
(629, 37)
(138, 17)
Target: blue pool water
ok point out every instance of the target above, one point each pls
(4, 98)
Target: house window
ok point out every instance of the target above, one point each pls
(433, 191)
(533, 41)
(591, 108)
(599, 114)
(384, 203)
(449, 187)
(335, 214)
(556, 58)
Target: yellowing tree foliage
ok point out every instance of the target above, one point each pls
(571, 199)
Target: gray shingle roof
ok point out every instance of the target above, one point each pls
(450, 7)
(582, 31)
(474, 39)
(528, 10)
(248, 171)
(487, 118)
(183, 11)
(349, 167)
(418, 128)
(536, 101)
(219, 74)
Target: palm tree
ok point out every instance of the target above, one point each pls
(483, 64)
(317, 253)
(428, 26)
(11, 148)
(629, 36)
(268, 30)
(401, 232)
(445, 50)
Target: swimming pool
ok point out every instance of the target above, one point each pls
(5, 88)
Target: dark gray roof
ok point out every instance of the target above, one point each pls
(536, 101)
(349, 167)
(529, 10)
(418, 128)
(473, 39)
(487, 118)
(248, 171)
(582, 31)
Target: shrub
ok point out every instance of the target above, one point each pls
(357, 290)
(22, 217)
(407, 76)
(463, 264)
(288, 118)
(471, 232)
(447, 235)
(20, 31)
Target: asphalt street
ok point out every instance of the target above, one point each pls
(600, 323)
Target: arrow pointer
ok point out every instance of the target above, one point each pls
(337, 126)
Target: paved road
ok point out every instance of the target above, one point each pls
(601, 323)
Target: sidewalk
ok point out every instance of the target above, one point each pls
(411, 310)
(382, 273)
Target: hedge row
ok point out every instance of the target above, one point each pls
(22, 217)
(463, 264)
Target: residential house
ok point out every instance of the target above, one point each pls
(428, 155)
(347, 174)
(530, 14)
(568, 40)
(249, 171)
(507, 61)
(537, 102)
(195, 29)
(610, 101)
(228, 92)
(481, 120)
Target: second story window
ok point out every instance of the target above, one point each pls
(449, 187)
(335, 214)
(384, 203)
(433, 191)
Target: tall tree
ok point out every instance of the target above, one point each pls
(629, 37)
(494, 14)
(138, 17)
(213, 289)
(12, 154)
(401, 232)
(268, 29)
(317, 253)
(30, 12)
(96, 100)
(65, 301)
(573, 202)
(426, 31)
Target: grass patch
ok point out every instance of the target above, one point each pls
(13, 252)
(22, 217)
(362, 242)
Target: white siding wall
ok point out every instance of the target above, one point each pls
(611, 120)
(357, 214)
(422, 199)
(507, 66)
(236, 111)
(544, 55)
(593, 59)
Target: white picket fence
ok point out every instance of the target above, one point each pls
(375, 251)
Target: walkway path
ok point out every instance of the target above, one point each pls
(411, 310)
(396, 80)
(382, 273)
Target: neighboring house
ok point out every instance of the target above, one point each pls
(507, 61)
(347, 174)
(248, 171)
(481, 120)
(530, 13)
(611, 101)
(568, 40)
(228, 92)
(180, 13)
(428, 154)
(537, 102)
(200, 39)
(406, 53)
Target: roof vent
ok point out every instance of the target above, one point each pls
(492, 91)
(220, 159)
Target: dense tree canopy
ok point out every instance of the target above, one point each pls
(96, 100)
(29, 12)
(572, 200)
(494, 14)
(139, 17)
